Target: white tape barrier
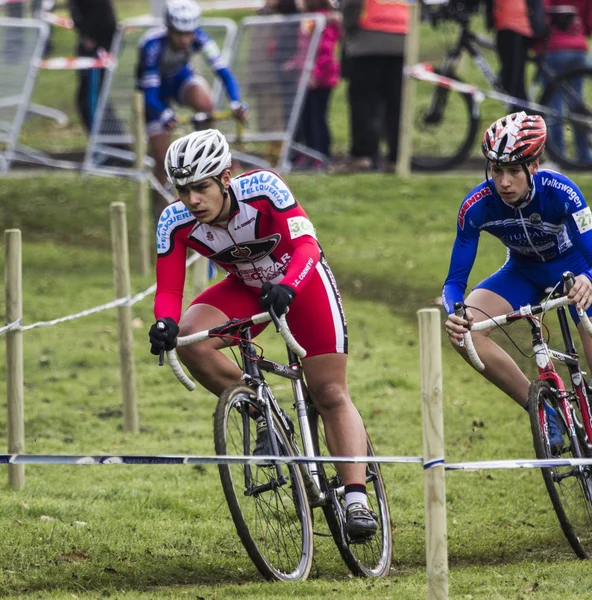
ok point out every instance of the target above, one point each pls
(519, 464)
(82, 459)
(74, 459)
(425, 72)
(17, 325)
(104, 61)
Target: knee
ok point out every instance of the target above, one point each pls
(329, 397)
(195, 356)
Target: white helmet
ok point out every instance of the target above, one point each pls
(197, 156)
(182, 15)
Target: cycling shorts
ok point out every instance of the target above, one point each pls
(315, 317)
(523, 282)
(173, 89)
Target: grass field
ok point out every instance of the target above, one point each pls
(165, 532)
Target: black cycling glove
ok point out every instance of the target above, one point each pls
(163, 335)
(277, 296)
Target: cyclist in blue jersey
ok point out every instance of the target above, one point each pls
(544, 222)
(165, 74)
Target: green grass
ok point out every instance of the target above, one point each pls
(165, 531)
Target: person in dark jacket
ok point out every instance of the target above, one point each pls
(373, 51)
(96, 25)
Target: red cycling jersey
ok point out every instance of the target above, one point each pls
(268, 237)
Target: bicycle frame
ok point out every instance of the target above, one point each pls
(252, 365)
(544, 355)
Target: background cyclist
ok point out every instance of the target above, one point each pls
(164, 73)
(253, 227)
(543, 220)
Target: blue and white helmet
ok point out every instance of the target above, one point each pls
(182, 15)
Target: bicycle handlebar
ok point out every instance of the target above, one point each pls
(200, 336)
(522, 312)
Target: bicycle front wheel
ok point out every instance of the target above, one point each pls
(445, 124)
(268, 504)
(569, 121)
(569, 488)
(372, 558)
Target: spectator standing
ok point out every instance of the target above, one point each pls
(514, 36)
(570, 25)
(374, 38)
(314, 129)
(96, 25)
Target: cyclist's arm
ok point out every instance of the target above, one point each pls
(170, 270)
(306, 255)
(150, 83)
(464, 252)
(579, 223)
(274, 198)
(205, 44)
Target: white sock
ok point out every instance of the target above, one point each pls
(353, 497)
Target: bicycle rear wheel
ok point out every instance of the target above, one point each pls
(269, 508)
(372, 558)
(570, 488)
(569, 142)
(445, 124)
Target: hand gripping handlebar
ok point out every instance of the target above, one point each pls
(200, 336)
(467, 342)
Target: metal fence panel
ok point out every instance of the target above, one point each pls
(112, 134)
(21, 47)
(272, 59)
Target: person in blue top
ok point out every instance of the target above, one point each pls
(164, 73)
(544, 222)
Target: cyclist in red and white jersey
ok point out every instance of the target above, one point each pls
(253, 227)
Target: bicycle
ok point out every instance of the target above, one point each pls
(569, 485)
(446, 116)
(271, 501)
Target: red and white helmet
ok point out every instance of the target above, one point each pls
(182, 15)
(515, 139)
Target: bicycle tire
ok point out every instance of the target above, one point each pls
(568, 487)
(372, 558)
(565, 153)
(445, 124)
(275, 525)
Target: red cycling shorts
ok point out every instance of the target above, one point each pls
(316, 316)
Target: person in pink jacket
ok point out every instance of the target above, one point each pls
(313, 130)
(570, 25)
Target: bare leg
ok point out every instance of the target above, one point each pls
(212, 369)
(500, 368)
(326, 381)
(587, 346)
(198, 97)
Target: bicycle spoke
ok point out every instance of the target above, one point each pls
(569, 488)
(372, 558)
(269, 506)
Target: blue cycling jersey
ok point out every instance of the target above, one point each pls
(553, 232)
(162, 70)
